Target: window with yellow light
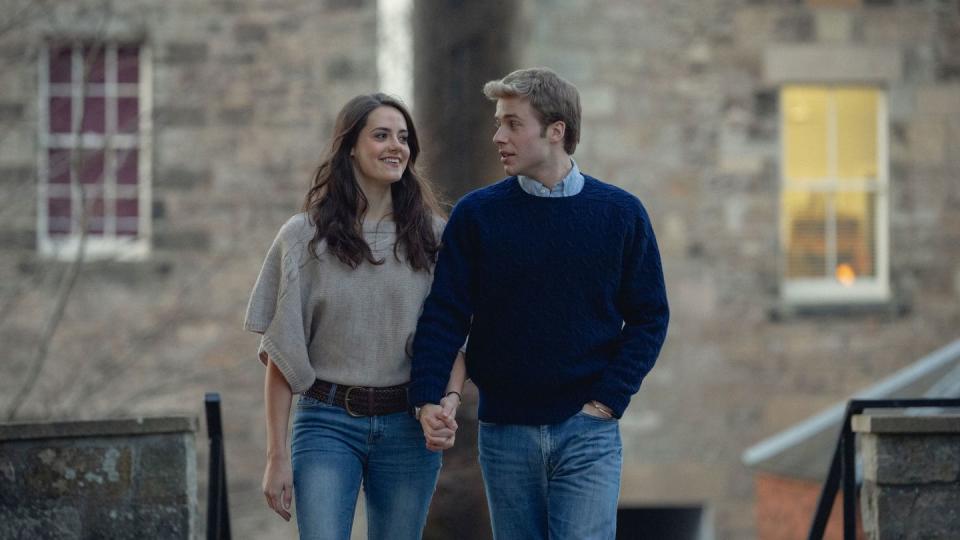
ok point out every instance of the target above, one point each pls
(833, 196)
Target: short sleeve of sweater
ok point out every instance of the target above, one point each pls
(275, 310)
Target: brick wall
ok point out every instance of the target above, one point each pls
(785, 508)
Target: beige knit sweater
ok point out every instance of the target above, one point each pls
(322, 319)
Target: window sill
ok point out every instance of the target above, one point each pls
(891, 308)
(130, 272)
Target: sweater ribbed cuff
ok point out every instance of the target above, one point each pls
(610, 397)
(424, 392)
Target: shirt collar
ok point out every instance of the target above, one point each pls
(571, 184)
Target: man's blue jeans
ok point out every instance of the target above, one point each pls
(556, 482)
(332, 452)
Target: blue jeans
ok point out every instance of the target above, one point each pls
(333, 452)
(557, 482)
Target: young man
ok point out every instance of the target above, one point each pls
(556, 277)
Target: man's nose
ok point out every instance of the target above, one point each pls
(498, 137)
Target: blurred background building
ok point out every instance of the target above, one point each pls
(799, 159)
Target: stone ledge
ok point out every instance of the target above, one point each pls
(903, 424)
(784, 64)
(18, 431)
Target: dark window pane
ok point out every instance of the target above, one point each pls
(94, 209)
(127, 167)
(128, 64)
(58, 215)
(91, 167)
(94, 63)
(127, 115)
(58, 207)
(59, 115)
(60, 64)
(93, 115)
(128, 208)
(58, 166)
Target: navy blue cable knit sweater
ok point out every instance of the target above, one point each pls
(563, 299)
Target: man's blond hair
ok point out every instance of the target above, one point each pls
(553, 98)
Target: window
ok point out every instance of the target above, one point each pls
(833, 224)
(93, 163)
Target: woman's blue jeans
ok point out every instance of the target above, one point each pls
(333, 453)
(558, 482)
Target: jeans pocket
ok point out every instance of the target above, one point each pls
(588, 416)
(306, 402)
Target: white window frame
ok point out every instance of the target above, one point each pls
(826, 290)
(105, 245)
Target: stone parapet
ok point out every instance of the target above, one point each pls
(131, 478)
(911, 475)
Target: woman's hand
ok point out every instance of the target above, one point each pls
(278, 485)
(448, 406)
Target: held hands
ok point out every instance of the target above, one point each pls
(439, 422)
(278, 485)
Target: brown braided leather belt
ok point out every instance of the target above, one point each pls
(362, 400)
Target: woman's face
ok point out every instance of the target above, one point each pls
(381, 153)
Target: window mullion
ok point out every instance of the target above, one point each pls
(830, 256)
(110, 129)
(76, 117)
(43, 152)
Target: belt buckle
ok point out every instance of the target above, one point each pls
(346, 402)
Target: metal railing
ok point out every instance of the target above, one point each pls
(844, 463)
(218, 511)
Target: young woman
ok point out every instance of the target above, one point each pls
(337, 302)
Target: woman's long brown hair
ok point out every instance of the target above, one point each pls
(336, 204)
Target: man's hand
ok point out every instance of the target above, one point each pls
(439, 423)
(597, 409)
(278, 485)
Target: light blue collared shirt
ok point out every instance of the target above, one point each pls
(571, 184)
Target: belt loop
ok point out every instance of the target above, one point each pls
(331, 393)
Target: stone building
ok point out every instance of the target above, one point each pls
(799, 160)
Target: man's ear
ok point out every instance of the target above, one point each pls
(556, 131)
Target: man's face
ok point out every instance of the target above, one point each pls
(520, 139)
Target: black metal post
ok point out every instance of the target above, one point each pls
(849, 468)
(827, 495)
(218, 511)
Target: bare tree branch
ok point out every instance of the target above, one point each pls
(69, 279)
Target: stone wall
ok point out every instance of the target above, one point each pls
(911, 475)
(122, 479)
